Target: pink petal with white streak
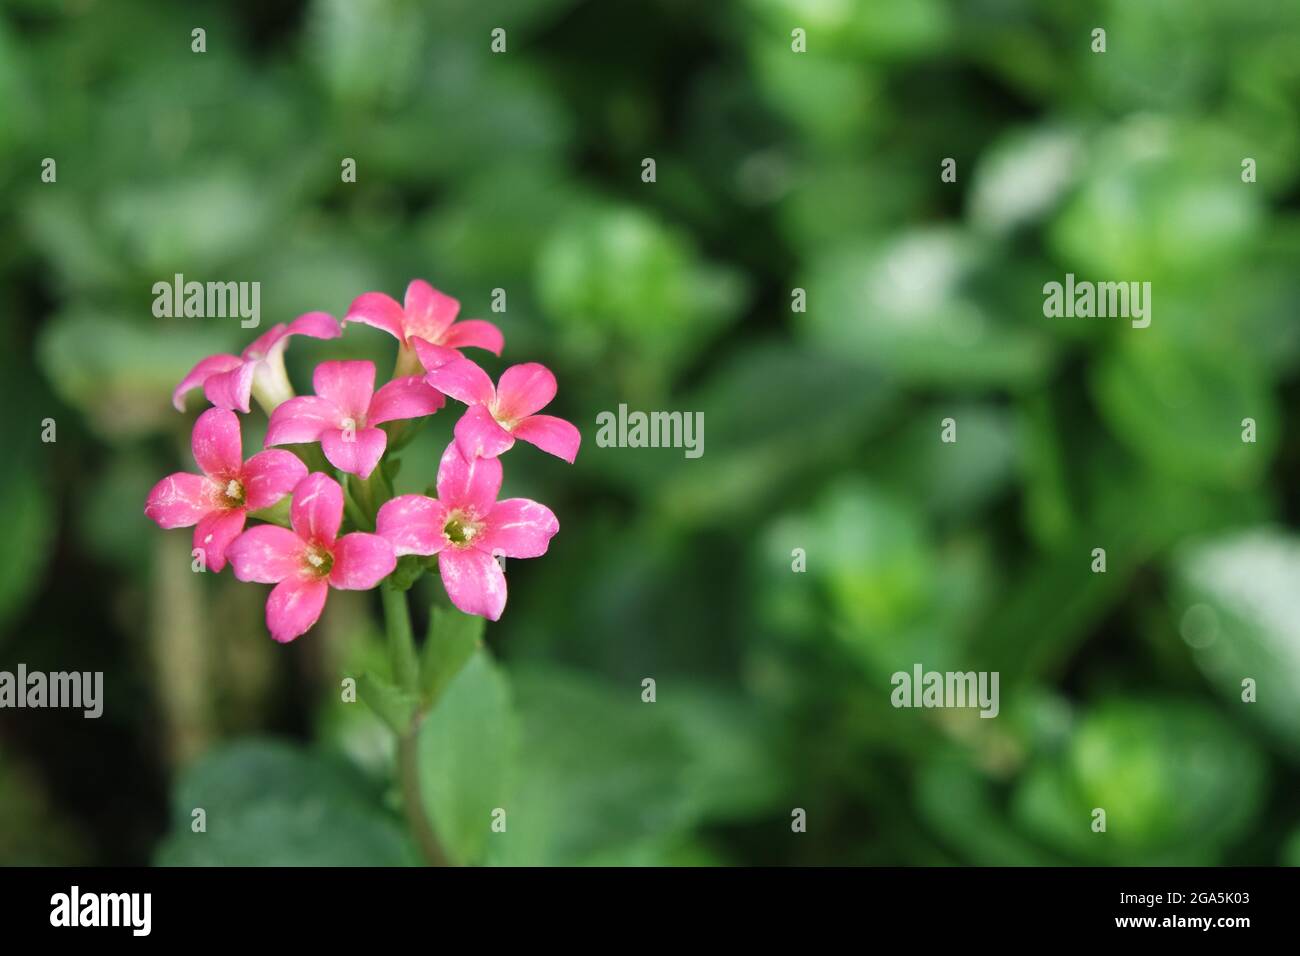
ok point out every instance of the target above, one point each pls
(474, 333)
(356, 451)
(231, 390)
(181, 500)
(468, 484)
(522, 390)
(349, 385)
(413, 524)
(518, 528)
(478, 434)
(317, 509)
(294, 606)
(269, 476)
(474, 581)
(361, 561)
(378, 311)
(267, 554)
(215, 533)
(462, 380)
(406, 397)
(200, 373)
(300, 420)
(552, 435)
(217, 444)
(428, 311)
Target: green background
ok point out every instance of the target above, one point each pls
(776, 170)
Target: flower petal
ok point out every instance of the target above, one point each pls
(550, 434)
(317, 509)
(361, 561)
(406, 397)
(474, 333)
(478, 434)
(294, 606)
(518, 528)
(216, 443)
(433, 356)
(266, 553)
(378, 311)
(215, 533)
(232, 389)
(301, 420)
(474, 581)
(413, 524)
(181, 500)
(468, 484)
(269, 476)
(316, 325)
(200, 373)
(428, 311)
(355, 451)
(522, 390)
(462, 380)
(349, 385)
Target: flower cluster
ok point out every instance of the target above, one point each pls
(302, 552)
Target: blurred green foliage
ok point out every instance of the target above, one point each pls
(776, 171)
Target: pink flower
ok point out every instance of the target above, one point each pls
(306, 562)
(466, 526)
(217, 501)
(343, 413)
(230, 380)
(497, 416)
(427, 314)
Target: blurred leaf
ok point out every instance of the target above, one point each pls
(468, 748)
(121, 374)
(600, 771)
(905, 305)
(615, 277)
(450, 644)
(271, 804)
(1181, 410)
(1177, 783)
(393, 705)
(1238, 609)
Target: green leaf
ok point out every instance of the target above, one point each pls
(599, 771)
(452, 639)
(268, 803)
(910, 305)
(1181, 409)
(1176, 779)
(467, 748)
(395, 707)
(1239, 609)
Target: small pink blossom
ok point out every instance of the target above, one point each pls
(217, 502)
(466, 527)
(426, 314)
(343, 413)
(305, 562)
(229, 381)
(498, 415)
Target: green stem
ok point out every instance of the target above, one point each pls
(401, 646)
(401, 642)
(408, 766)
